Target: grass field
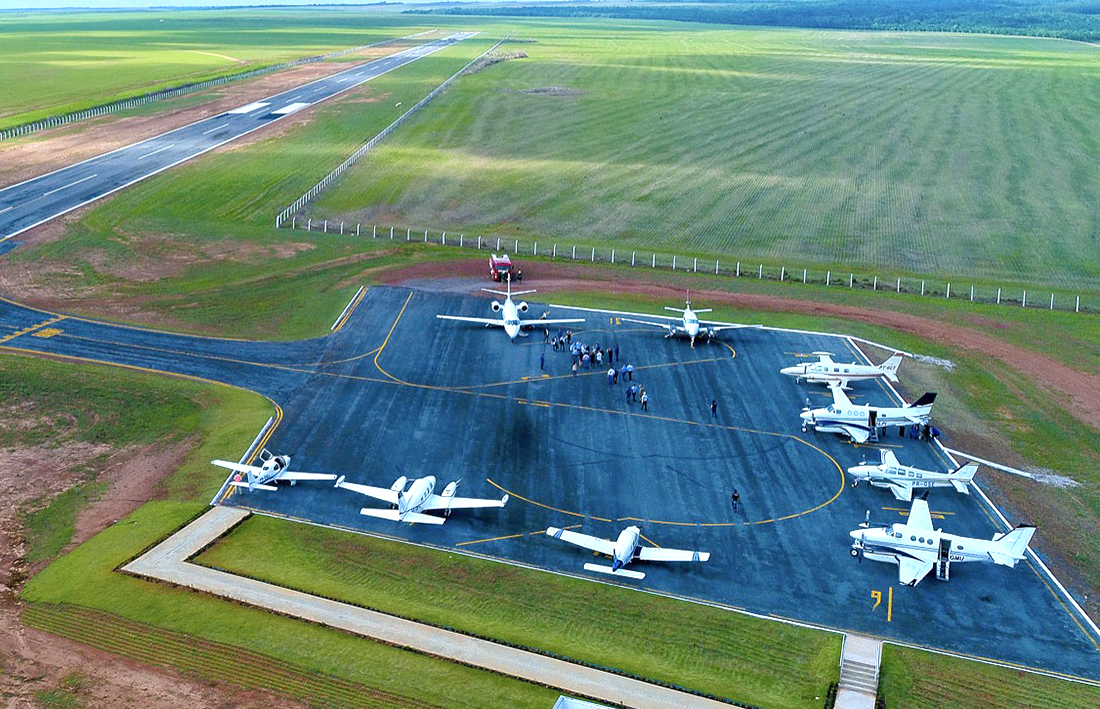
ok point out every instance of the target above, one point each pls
(746, 659)
(913, 153)
(69, 61)
(914, 679)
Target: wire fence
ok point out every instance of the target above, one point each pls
(173, 92)
(340, 169)
(929, 288)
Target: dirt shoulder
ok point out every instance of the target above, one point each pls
(50, 150)
(1081, 390)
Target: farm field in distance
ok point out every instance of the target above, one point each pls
(70, 61)
(912, 153)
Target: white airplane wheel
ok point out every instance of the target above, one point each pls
(855, 552)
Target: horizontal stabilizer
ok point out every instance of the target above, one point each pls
(395, 516)
(253, 486)
(961, 486)
(1011, 546)
(610, 572)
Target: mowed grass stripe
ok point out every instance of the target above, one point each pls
(912, 153)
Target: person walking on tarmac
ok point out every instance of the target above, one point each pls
(735, 500)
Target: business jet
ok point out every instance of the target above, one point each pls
(411, 500)
(623, 550)
(688, 323)
(860, 421)
(917, 548)
(272, 469)
(510, 311)
(902, 479)
(830, 372)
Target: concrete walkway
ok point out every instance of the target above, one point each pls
(167, 562)
(859, 667)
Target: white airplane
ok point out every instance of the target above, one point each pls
(411, 500)
(917, 548)
(510, 311)
(860, 421)
(830, 372)
(272, 469)
(901, 479)
(623, 550)
(689, 324)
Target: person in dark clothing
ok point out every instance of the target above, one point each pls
(735, 499)
(616, 351)
(714, 409)
(542, 361)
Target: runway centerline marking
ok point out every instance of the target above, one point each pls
(158, 150)
(215, 128)
(7, 209)
(71, 184)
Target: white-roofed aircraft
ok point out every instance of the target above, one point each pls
(272, 469)
(509, 314)
(902, 479)
(411, 500)
(859, 421)
(917, 548)
(830, 372)
(623, 550)
(689, 324)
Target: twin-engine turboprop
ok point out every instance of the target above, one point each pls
(830, 372)
(902, 479)
(917, 548)
(510, 311)
(272, 469)
(623, 550)
(860, 421)
(411, 500)
(689, 324)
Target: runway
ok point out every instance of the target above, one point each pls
(398, 392)
(30, 203)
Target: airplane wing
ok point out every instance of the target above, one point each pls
(719, 326)
(603, 546)
(379, 493)
(840, 399)
(857, 433)
(911, 571)
(395, 516)
(824, 357)
(657, 554)
(919, 515)
(480, 321)
(902, 489)
(253, 486)
(291, 475)
(539, 322)
(435, 502)
(662, 325)
(237, 467)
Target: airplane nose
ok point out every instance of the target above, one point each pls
(789, 371)
(856, 533)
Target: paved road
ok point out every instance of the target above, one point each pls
(398, 392)
(40, 199)
(167, 562)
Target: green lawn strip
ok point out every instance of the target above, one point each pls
(691, 645)
(69, 61)
(86, 577)
(790, 147)
(915, 679)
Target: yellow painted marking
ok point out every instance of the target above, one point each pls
(877, 595)
(934, 514)
(351, 310)
(890, 604)
(649, 540)
(48, 332)
(546, 507)
(32, 328)
(511, 536)
(875, 445)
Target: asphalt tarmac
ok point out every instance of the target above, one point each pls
(30, 203)
(398, 392)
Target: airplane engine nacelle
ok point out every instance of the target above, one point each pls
(522, 306)
(449, 491)
(399, 484)
(496, 306)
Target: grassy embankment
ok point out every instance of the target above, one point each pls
(70, 61)
(747, 659)
(906, 155)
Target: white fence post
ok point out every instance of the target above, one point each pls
(357, 227)
(1077, 307)
(716, 267)
(593, 254)
(574, 252)
(479, 243)
(899, 285)
(782, 273)
(612, 255)
(851, 279)
(874, 286)
(998, 296)
(498, 243)
(444, 239)
(971, 294)
(309, 224)
(374, 231)
(1052, 301)
(554, 254)
(425, 236)
(408, 233)
(460, 239)
(341, 228)
(695, 265)
(632, 253)
(922, 287)
(517, 247)
(828, 277)
(1024, 304)
(760, 275)
(673, 263)
(948, 291)
(738, 268)
(803, 276)
(391, 232)
(326, 226)
(294, 222)
(654, 264)
(535, 250)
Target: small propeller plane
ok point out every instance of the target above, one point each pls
(411, 500)
(510, 311)
(272, 469)
(830, 372)
(917, 548)
(860, 421)
(901, 479)
(689, 324)
(623, 550)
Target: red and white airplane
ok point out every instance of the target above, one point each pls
(830, 372)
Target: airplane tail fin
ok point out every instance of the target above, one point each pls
(966, 475)
(1011, 546)
(890, 367)
(927, 399)
(614, 572)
